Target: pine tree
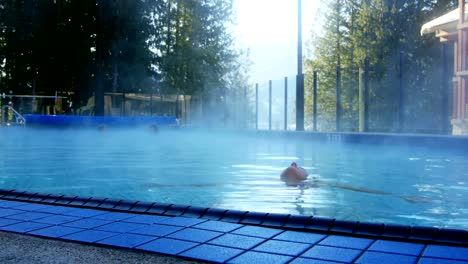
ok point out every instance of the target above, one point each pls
(382, 31)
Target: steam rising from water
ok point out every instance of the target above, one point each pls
(239, 171)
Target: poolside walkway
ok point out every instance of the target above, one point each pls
(26, 249)
(215, 241)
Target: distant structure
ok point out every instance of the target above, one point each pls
(453, 28)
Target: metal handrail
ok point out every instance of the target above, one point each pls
(19, 119)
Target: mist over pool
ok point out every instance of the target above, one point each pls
(241, 171)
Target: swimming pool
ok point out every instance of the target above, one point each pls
(241, 171)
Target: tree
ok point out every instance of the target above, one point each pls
(380, 30)
(194, 44)
(90, 47)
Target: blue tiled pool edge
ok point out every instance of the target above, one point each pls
(316, 224)
(224, 236)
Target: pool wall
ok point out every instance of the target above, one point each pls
(94, 121)
(427, 140)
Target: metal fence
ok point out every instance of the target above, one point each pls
(334, 101)
(349, 100)
(233, 109)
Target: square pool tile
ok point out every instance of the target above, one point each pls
(120, 227)
(167, 246)
(402, 248)
(282, 247)
(147, 219)
(24, 227)
(346, 242)
(370, 257)
(440, 261)
(57, 219)
(156, 230)
(31, 207)
(10, 204)
(257, 231)
(195, 235)
(8, 212)
(84, 212)
(28, 216)
(312, 261)
(211, 253)
(218, 226)
(302, 237)
(126, 240)
(55, 209)
(87, 223)
(5, 222)
(447, 252)
(89, 236)
(260, 258)
(55, 231)
(114, 216)
(182, 221)
(237, 241)
(332, 254)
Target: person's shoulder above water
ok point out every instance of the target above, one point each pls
(294, 174)
(153, 128)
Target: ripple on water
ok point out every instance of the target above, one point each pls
(244, 175)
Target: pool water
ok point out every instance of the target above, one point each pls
(423, 186)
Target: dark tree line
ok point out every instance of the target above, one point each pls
(89, 47)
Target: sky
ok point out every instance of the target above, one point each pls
(268, 28)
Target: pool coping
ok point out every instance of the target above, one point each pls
(315, 224)
(451, 142)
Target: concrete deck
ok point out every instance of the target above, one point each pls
(25, 249)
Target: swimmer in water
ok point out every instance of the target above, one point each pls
(294, 175)
(102, 127)
(297, 176)
(153, 129)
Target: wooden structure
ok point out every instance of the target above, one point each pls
(453, 28)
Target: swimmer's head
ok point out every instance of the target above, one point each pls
(153, 128)
(294, 164)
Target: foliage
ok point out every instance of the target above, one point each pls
(97, 46)
(379, 30)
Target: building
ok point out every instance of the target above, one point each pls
(453, 28)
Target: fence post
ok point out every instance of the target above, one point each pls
(361, 100)
(444, 90)
(315, 101)
(300, 75)
(123, 104)
(338, 98)
(245, 108)
(151, 103)
(256, 106)
(300, 102)
(269, 104)
(401, 108)
(366, 94)
(186, 112)
(177, 106)
(285, 103)
(161, 101)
